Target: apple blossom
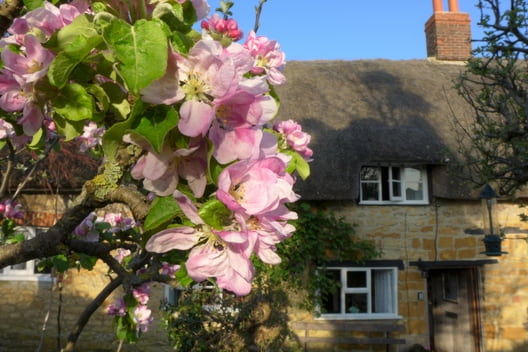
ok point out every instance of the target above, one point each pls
(10, 209)
(142, 317)
(6, 129)
(91, 137)
(294, 137)
(254, 187)
(118, 308)
(269, 59)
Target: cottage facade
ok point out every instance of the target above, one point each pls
(385, 140)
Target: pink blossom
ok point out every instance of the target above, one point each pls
(92, 136)
(11, 209)
(201, 7)
(236, 132)
(221, 254)
(169, 269)
(270, 230)
(207, 74)
(142, 293)
(226, 27)
(118, 222)
(295, 138)
(121, 253)
(32, 63)
(6, 129)
(142, 317)
(86, 229)
(117, 308)
(161, 171)
(254, 187)
(269, 58)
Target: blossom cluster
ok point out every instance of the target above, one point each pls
(198, 129)
(26, 61)
(89, 230)
(223, 94)
(10, 209)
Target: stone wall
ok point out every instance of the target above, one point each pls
(445, 230)
(30, 311)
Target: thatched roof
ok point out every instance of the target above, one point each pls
(370, 112)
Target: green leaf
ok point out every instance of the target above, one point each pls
(183, 277)
(302, 167)
(33, 4)
(141, 50)
(67, 36)
(156, 123)
(118, 99)
(74, 103)
(181, 42)
(113, 137)
(68, 129)
(65, 62)
(214, 213)
(162, 211)
(87, 262)
(61, 263)
(38, 140)
(16, 238)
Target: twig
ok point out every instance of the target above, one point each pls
(88, 311)
(22, 184)
(258, 11)
(9, 168)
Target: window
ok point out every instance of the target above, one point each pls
(25, 271)
(364, 293)
(389, 184)
(213, 298)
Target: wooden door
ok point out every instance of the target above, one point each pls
(453, 310)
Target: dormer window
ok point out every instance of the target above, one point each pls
(393, 185)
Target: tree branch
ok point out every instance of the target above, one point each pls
(88, 311)
(48, 244)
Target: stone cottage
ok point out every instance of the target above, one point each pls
(384, 142)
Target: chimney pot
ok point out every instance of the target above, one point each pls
(437, 6)
(453, 6)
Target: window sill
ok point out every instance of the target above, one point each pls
(40, 278)
(422, 202)
(359, 317)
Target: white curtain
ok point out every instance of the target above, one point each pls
(383, 286)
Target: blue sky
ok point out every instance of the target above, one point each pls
(346, 29)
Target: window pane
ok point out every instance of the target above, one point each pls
(382, 291)
(396, 173)
(396, 189)
(356, 303)
(450, 281)
(413, 184)
(414, 191)
(21, 266)
(369, 191)
(356, 279)
(369, 174)
(332, 301)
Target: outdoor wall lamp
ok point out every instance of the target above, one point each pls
(492, 239)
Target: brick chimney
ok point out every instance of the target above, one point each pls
(448, 34)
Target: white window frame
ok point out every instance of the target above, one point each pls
(9, 273)
(402, 199)
(343, 290)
